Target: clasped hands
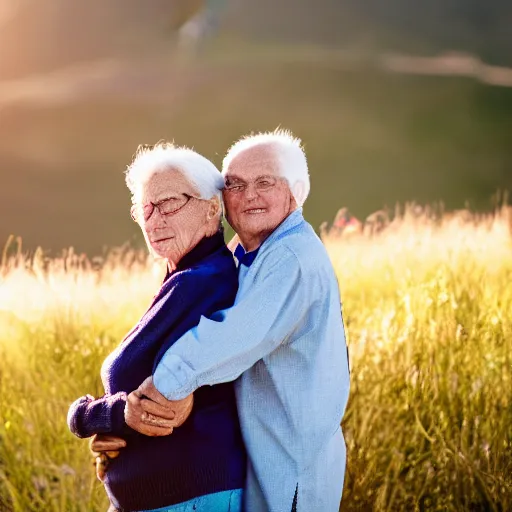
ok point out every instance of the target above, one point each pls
(148, 412)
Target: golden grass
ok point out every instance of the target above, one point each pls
(428, 308)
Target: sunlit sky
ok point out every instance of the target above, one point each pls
(73, 108)
(7, 10)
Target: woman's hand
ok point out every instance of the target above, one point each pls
(104, 448)
(106, 443)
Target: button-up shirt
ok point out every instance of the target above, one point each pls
(284, 343)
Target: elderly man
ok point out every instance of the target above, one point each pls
(283, 339)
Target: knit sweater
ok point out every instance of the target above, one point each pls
(206, 454)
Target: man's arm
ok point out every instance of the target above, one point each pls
(220, 349)
(88, 416)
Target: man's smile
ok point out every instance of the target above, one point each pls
(255, 210)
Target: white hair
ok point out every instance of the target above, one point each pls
(290, 157)
(165, 156)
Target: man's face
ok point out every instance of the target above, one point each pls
(178, 221)
(256, 197)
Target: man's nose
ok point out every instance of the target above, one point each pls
(251, 192)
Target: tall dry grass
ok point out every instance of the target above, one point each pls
(428, 308)
(428, 305)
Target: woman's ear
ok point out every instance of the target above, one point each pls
(213, 208)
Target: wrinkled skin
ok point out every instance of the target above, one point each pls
(174, 235)
(255, 214)
(158, 409)
(135, 417)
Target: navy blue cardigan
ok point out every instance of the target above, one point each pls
(206, 454)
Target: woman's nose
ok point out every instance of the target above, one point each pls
(155, 220)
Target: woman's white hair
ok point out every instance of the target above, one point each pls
(165, 156)
(290, 156)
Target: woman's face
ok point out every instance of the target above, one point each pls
(172, 217)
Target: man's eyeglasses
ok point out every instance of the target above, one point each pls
(165, 207)
(261, 184)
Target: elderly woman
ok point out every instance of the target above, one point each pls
(200, 466)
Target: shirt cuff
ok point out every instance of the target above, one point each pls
(173, 379)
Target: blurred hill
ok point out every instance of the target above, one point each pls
(372, 139)
(83, 83)
(40, 35)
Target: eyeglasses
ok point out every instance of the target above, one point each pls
(261, 184)
(165, 207)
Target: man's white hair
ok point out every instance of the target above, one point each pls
(290, 156)
(165, 156)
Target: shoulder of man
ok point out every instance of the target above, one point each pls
(298, 247)
(304, 243)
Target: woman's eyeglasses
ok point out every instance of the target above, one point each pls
(165, 207)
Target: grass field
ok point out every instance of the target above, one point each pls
(428, 309)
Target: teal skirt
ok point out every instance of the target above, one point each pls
(227, 501)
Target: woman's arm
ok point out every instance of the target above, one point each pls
(192, 294)
(88, 416)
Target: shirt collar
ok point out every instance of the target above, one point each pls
(245, 258)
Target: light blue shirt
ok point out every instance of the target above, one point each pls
(284, 342)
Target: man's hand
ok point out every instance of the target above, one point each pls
(103, 448)
(158, 408)
(137, 418)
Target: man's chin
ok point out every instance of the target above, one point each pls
(255, 228)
